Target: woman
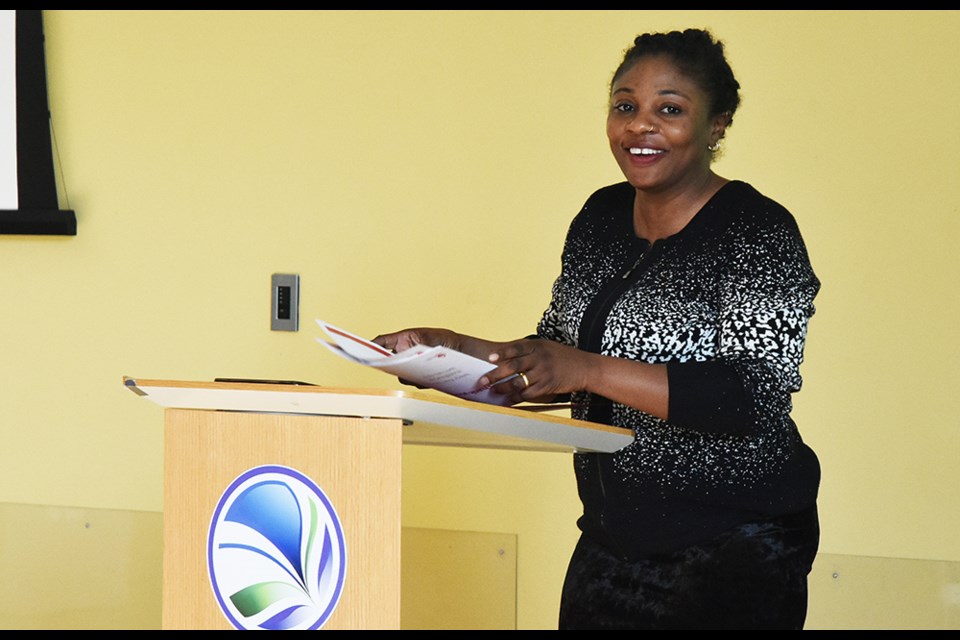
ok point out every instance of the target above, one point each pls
(681, 312)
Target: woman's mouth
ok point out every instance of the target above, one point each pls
(644, 151)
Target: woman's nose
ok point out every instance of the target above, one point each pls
(641, 124)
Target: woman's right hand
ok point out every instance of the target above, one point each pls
(402, 340)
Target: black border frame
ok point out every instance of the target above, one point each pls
(38, 212)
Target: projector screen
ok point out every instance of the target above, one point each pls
(8, 110)
(28, 188)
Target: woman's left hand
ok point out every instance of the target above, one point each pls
(543, 369)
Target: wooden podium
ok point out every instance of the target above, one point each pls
(343, 444)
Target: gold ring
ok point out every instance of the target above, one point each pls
(526, 380)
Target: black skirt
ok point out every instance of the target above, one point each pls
(752, 577)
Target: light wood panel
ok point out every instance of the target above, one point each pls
(79, 568)
(458, 580)
(850, 592)
(355, 461)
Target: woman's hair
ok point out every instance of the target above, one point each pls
(698, 56)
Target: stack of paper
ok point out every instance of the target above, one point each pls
(439, 368)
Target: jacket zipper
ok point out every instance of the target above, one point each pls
(636, 263)
(594, 333)
(613, 292)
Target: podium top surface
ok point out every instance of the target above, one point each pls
(428, 419)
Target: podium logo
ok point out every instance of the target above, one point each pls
(275, 551)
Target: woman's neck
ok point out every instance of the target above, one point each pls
(661, 214)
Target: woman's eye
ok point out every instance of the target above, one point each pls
(623, 107)
(672, 110)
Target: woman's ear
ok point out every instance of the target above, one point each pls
(720, 124)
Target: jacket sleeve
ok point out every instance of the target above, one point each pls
(766, 293)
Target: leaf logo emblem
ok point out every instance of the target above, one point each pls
(275, 552)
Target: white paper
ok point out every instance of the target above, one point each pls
(440, 368)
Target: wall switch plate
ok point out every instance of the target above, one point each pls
(285, 302)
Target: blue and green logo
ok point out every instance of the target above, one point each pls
(275, 551)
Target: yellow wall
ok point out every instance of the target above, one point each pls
(421, 168)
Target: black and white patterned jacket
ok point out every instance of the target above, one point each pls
(725, 303)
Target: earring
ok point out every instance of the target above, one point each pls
(713, 148)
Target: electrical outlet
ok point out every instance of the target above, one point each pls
(285, 302)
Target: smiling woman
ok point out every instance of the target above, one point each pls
(28, 189)
(680, 312)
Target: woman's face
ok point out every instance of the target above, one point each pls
(659, 126)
